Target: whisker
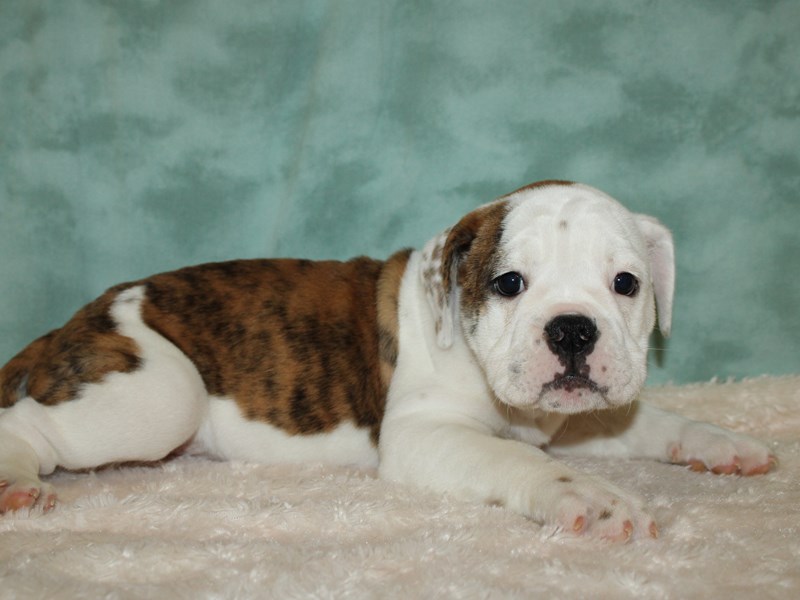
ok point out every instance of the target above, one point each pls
(562, 431)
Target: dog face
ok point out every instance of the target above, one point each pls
(554, 288)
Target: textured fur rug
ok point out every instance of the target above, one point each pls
(193, 528)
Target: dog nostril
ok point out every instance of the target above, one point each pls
(571, 334)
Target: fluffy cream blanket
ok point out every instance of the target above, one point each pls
(193, 528)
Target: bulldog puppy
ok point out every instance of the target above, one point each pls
(450, 368)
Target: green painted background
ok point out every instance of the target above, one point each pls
(139, 136)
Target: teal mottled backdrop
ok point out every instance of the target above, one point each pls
(139, 136)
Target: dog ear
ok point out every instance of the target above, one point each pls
(442, 258)
(440, 295)
(662, 265)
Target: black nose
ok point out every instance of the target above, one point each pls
(571, 335)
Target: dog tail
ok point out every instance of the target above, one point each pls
(15, 374)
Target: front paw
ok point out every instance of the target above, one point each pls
(705, 447)
(581, 504)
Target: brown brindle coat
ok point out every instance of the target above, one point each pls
(327, 361)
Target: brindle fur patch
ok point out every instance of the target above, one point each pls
(53, 368)
(539, 184)
(474, 243)
(388, 302)
(293, 342)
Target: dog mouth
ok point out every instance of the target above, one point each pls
(573, 393)
(569, 382)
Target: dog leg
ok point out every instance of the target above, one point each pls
(644, 431)
(464, 459)
(140, 416)
(20, 486)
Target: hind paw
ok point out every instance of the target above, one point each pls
(18, 495)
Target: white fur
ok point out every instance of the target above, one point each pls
(225, 433)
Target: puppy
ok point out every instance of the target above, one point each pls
(449, 368)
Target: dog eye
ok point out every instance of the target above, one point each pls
(626, 284)
(509, 284)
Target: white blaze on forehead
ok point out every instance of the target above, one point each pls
(564, 203)
(574, 222)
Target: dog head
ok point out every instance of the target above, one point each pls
(554, 288)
